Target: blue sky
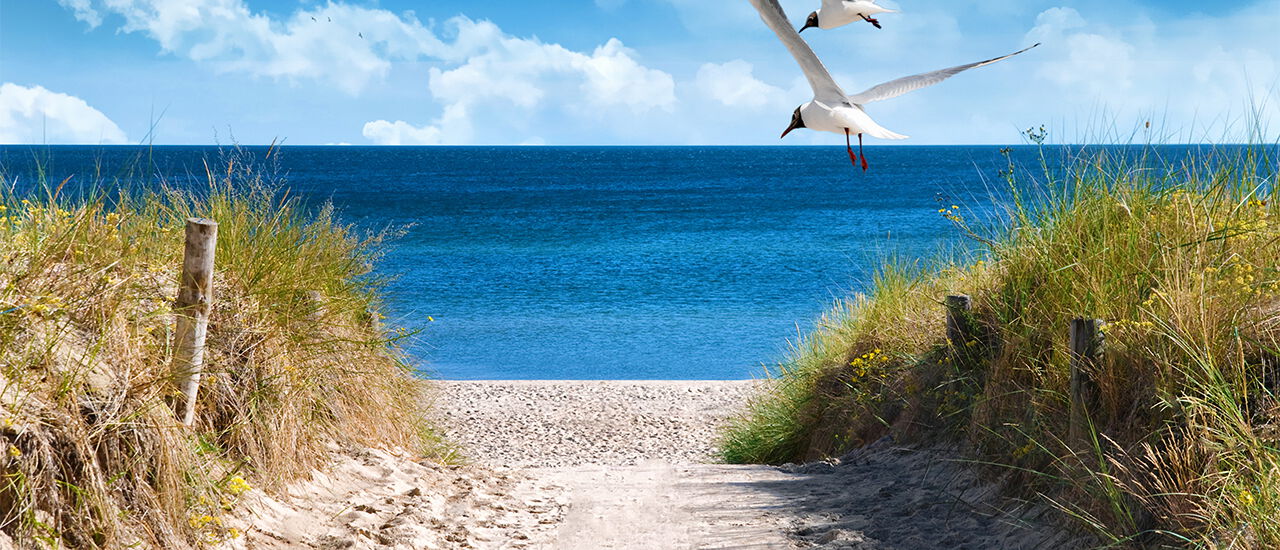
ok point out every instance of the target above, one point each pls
(617, 71)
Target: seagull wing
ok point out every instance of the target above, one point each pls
(895, 88)
(824, 87)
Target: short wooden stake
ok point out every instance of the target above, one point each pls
(317, 303)
(959, 331)
(195, 292)
(1086, 349)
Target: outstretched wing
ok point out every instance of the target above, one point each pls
(824, 87)
(895, 88)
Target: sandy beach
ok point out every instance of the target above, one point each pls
(552, 423)
(629, 465)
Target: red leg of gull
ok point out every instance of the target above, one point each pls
(874, 22)
(853, 159)
(864, 155)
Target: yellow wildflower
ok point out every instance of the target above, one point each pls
(237, 485)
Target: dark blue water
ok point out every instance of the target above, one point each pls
(611, 262)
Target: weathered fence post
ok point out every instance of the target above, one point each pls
(1086, 349)
(317, 302)
(195, 291)
(959, 331)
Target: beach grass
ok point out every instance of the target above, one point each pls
(297, 359)
(1177, 254)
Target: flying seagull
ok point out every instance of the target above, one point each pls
(831, 109)
(838, 13)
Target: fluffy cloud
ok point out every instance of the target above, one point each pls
(508, 78)
(83, 10)
(344, 45)
(733, 85)
(1195, 74)
(1081, 52)
(482, 71)
(453, 127)
(37, 115)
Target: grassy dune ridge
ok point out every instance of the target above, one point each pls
(296, 359)
(1179, 255)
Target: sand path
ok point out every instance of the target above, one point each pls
(659, 505)
(629, 462)
(628, 466)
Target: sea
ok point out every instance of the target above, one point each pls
(610, 262)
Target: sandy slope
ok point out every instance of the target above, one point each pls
(376, 499)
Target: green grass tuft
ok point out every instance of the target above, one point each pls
(296, 359)
(1179, 256)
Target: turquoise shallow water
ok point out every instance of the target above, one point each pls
(612, 262)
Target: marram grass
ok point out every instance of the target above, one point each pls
(91, 455)
(1181, 257)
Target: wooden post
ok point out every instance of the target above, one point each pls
(959, 332)
(317, 303)
(195, 291)
(1086, 349)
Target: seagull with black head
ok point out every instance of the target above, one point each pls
(831, 110)
(838, 13)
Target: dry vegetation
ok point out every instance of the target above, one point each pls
(90, 453)
(1179, 255)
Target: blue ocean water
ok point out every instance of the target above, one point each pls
(610, 262)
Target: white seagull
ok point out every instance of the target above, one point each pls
(838, 13)
(831, 109)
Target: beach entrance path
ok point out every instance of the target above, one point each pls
(633, 459)
(628, 465)
(659, 505)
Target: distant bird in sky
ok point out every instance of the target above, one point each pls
(313, 18)
(831, 109)
(838, 13)
(360, 34)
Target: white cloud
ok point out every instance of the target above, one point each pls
(506, 81)
(1092, 63)
(485, 72)
(521, 71)
(83, 10)
(733, 85)
(1196, 75)
(37, 115)
(400, 132)
(345, 45)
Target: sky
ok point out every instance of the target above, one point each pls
(620, 72)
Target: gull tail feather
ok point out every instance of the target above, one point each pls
(877, 131)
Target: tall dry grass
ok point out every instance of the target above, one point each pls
(1178, 254)
(90, 453)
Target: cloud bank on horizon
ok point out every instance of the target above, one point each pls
(673, 72)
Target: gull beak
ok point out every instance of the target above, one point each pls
(796, 122)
